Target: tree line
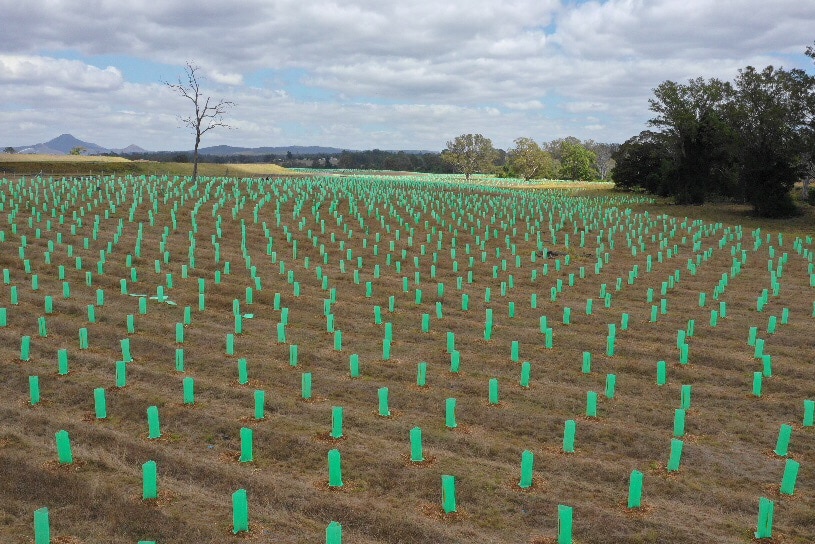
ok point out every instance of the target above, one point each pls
(562, 158)
(749, 140)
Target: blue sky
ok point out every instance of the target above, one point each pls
(365, 74)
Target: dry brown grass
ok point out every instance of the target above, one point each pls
(727, 463)
(58, 166)
(39, 157)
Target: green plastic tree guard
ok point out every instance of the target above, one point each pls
(42, 526)
(455, 361)
(809, 413)
(230, 343)
(305, 385)
(586, 366)
(783, 442)
(751, 337)
(293, 354)
(591, 404)
(247, 454)
(34, 389)
(243, 371)
(448, 493)
(179, 359)
(125, 345)
(131, 324)
(451, 341)
(685, 397)
(610, 340)
(635, 489)
(121, 374)
(179, 333)
(353, 363)
(757, 383)
(611, 385)
(100, 403)
(624, 322)
(567, 315)
(333, 533)
(260, 404)
(569, 430)
(25, 348)
(334, 469)
(384, 411)
(64, 453)
(450, 413)
(759, 349)
(189, 390)
(421, 374)
(526, 371)
(154, 429)
(767, 365)
(336, 422)
(493, 391)
(790, 476)
(676, 455)
(416, 452)
(766, 508)
(240, 511)
(662, 372)
(337, 340)
(679, 423)
(527, 469)
(684, 354)
(564, 524)
(3, 317)
(149, 481)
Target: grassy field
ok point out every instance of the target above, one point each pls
(431, 259)
(78, 165)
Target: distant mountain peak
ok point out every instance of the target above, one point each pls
(65, 143)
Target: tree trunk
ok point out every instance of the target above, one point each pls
(195, 159)
(805, 190)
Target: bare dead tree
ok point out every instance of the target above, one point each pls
(209, 114)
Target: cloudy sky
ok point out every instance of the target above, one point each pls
(363, 74)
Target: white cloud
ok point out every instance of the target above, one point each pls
(37, 71)
(377, 74)
(525, 105)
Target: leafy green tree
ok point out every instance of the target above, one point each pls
(9, 150)
(642, 162)
(576, 162)
(772, 118)
(693, 119)
(77, 150)
(529, 161)
(470, 153)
